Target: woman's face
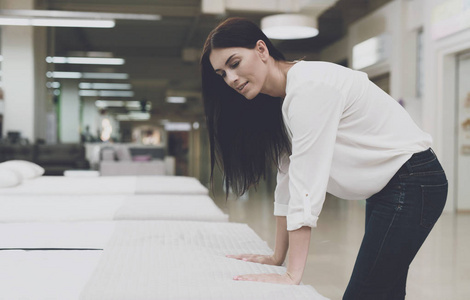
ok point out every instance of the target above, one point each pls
(243, 69)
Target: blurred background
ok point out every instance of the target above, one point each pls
(114, 86)
(81, 76)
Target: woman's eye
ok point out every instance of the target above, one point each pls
(235, 65)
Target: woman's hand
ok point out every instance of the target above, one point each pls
(269, 278)
(257, 258)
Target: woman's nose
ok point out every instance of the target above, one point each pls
(232, 78)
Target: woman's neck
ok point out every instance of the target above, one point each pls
(275, 84)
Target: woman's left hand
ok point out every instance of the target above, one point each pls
(270, 278)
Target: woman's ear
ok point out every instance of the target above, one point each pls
(262, 50)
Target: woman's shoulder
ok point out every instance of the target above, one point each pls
(322, 67)
(311, 72)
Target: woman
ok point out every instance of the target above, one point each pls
(328, 129)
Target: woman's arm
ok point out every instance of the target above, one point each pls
(282, 240)
(280, 249)
(299, 241)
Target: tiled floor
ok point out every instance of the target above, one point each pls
(440, 271)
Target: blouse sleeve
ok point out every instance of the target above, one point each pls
(281, 194)
(313, 116)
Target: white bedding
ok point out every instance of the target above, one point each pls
(58, 235)
(108, 185)
(184, 260)
(45, 275)
(49, 208)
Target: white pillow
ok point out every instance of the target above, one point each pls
(26, 169)
(9, 178)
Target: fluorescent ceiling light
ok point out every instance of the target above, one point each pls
(77, 75)
(138, 116)
(85, 60)
(105, 75)
(123, 118)
(176, 99)
(104, 86)
(91, 93)
(88, 93)
(289, 26)
(78, 14)
(177, 126)
(116, 93)
(133, 104)
(134, 117)
(56, 22)
(14, 21)
(104, 104)
(64, 75)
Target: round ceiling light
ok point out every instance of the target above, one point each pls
(289, 27)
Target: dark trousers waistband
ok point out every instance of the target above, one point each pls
(417, 159)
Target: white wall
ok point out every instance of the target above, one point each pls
(337, 51)
(439, 93)
(434, 111)
(387, 19)
(400, 20)
(23, 69)
(18, 80)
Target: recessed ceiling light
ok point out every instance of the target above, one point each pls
(289, 26)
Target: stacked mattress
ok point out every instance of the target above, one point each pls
(49, 208)
(137, 260)
(108, 185)
(126, 238)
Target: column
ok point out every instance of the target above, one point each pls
(69, 112)
(23, 49)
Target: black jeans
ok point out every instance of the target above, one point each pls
(398, 220)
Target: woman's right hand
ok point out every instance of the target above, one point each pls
(257, 258)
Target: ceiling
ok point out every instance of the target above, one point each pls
(153, 50)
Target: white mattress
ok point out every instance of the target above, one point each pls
(49, 208)
(58, 235)
(184, 260)
(108, 185)
(45, 275)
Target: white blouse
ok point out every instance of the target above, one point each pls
(348, 138)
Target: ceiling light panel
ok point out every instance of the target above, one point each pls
(78, 75)
(56, 22)
(105, 76)
(289, 26)
(64, 75)
(104, 86)
(92, 93)
(85, 60)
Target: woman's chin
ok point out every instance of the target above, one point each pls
(249, 96)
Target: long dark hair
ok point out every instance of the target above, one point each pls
(246, 136)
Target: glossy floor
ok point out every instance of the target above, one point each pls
(440, 271)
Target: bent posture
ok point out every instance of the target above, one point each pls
(328, 129)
